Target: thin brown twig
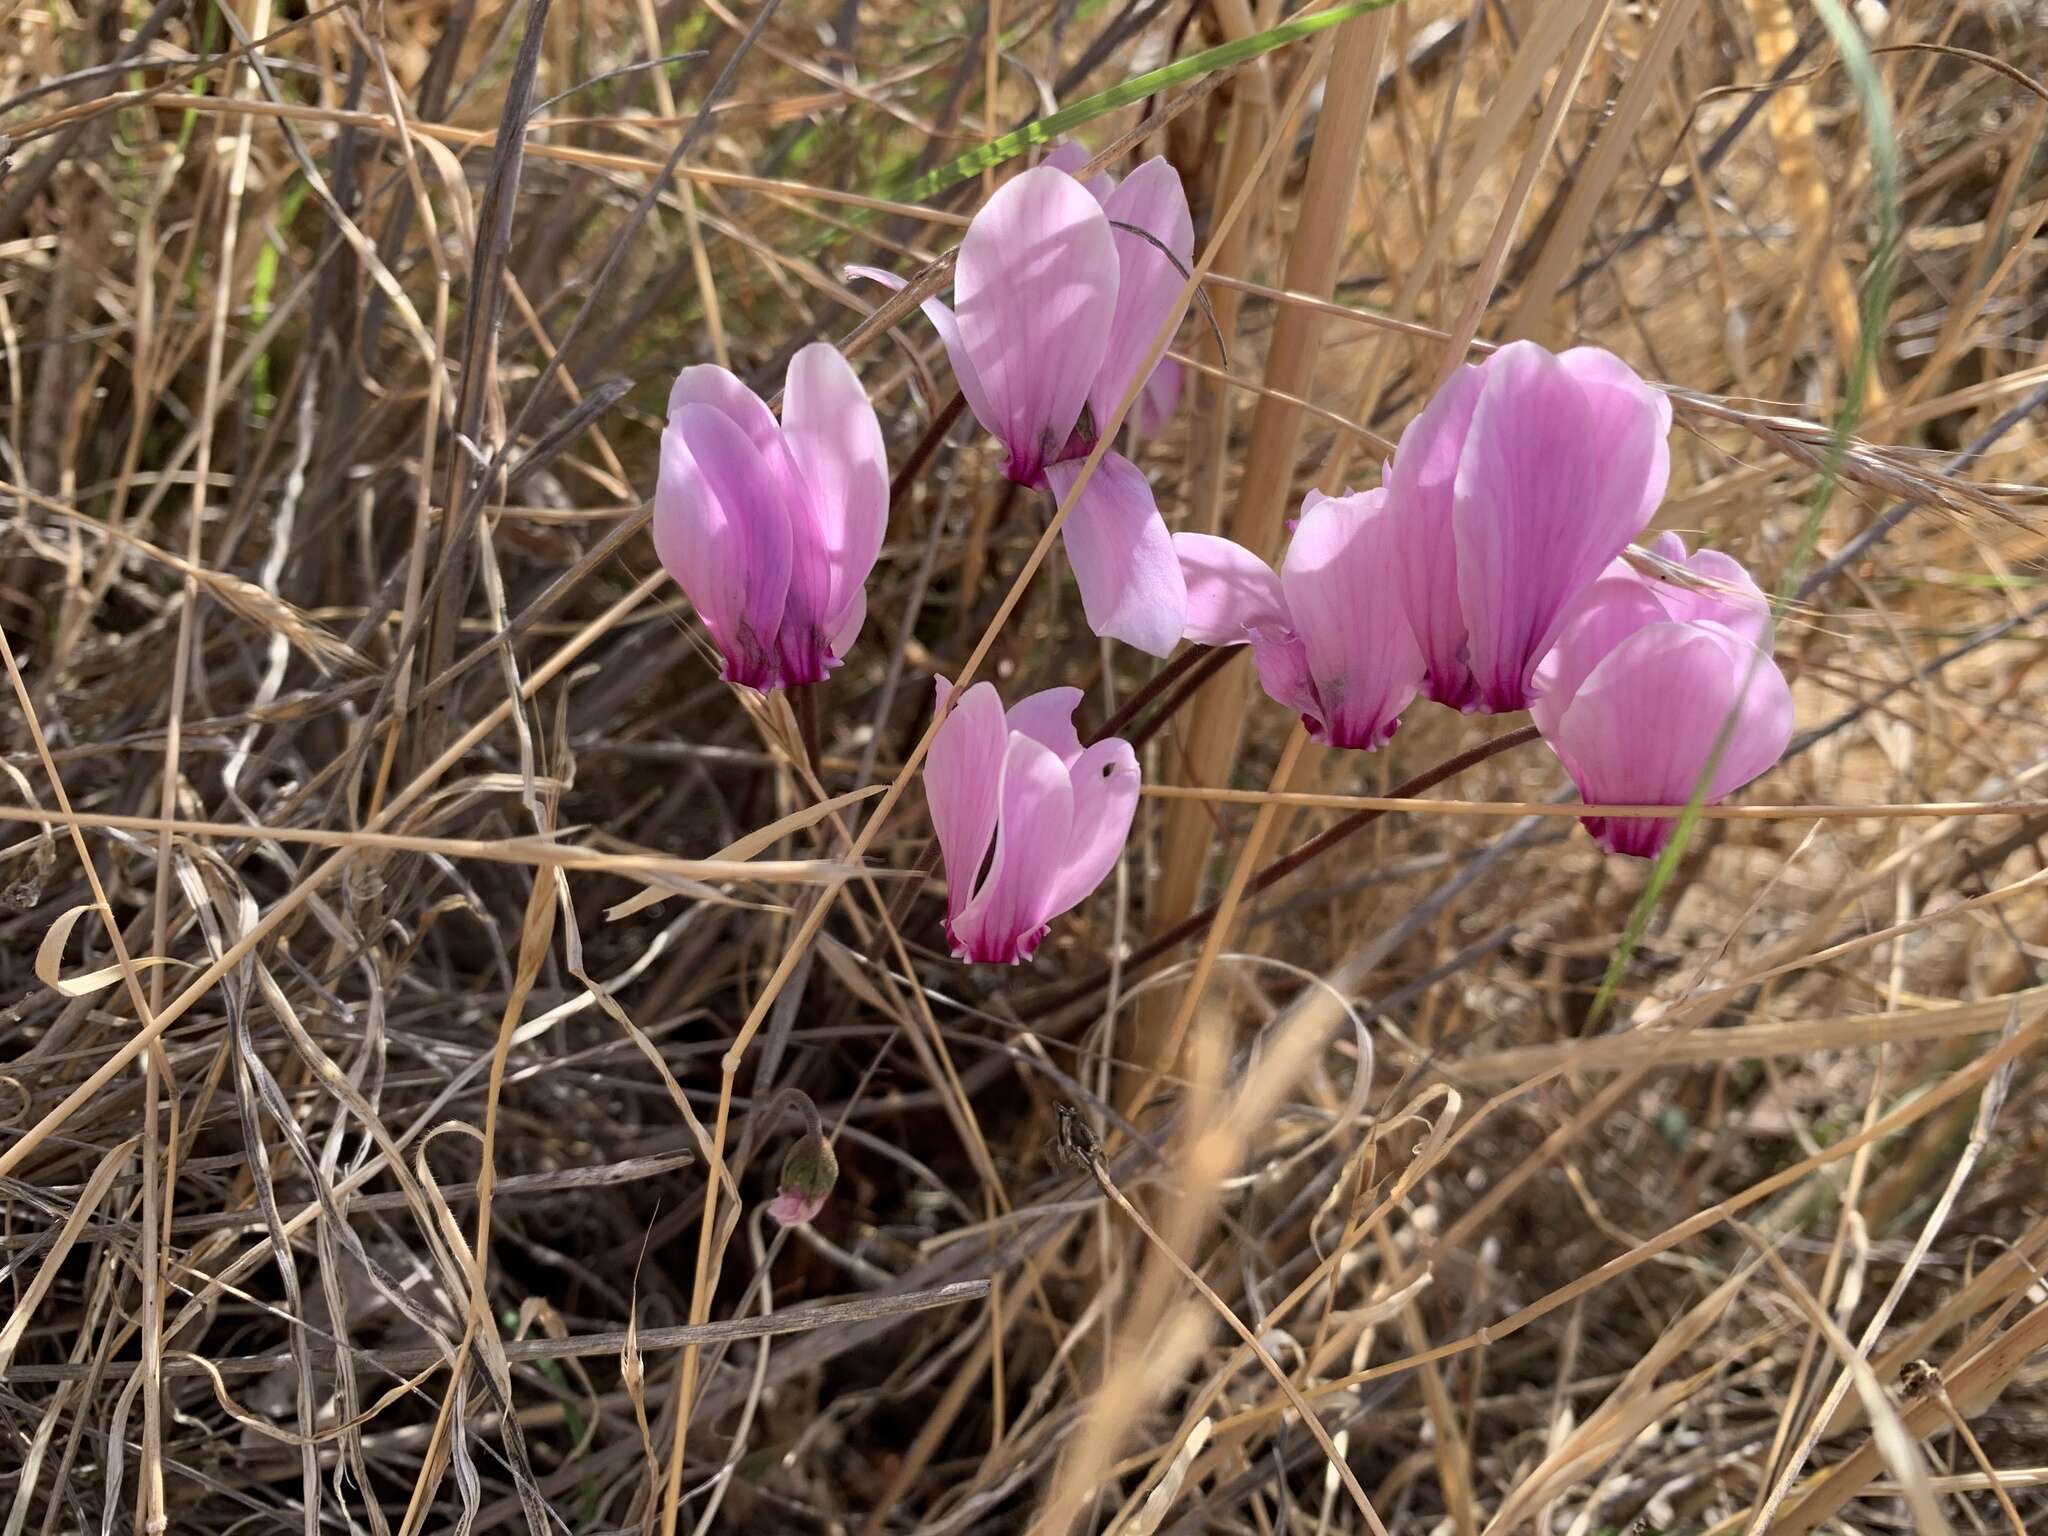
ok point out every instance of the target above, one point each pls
(1198, 922)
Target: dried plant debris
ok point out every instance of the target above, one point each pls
(490, 1037)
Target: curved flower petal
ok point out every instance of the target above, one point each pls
(1149, 279)
(800, 643)
(948, 326)
(1556, 477)
(1282, 661)
(1105, 783)
(1047, 717)
(1070, 155)
(963, 785)
(1667, 546)
(1729, 596)
(722, 531)
(1625, 409)
(1599, 619)
(1130, 580)
(707, 384)
(837, 445)
(1036, 287)
(845, 626)
(1642, 728)
(1160, 398)
(1344, 597)
(722, 390)
(1007, 917)
(1231, 591)
(1420, 485)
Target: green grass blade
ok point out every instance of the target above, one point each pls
(1180, 72)
(1881, 134)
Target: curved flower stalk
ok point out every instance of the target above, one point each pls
(771, 529)
(1029, 821)
(1329, 633)
(1511, 492)
(1055, 311)
(1634, 695)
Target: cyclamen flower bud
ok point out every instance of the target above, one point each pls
(808, 1174)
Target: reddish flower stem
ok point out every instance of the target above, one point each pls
(1198, 922)
(1200, 660)
(926, 447)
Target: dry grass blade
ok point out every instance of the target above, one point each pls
(412, 946)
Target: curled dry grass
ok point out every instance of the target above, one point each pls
(407, 939)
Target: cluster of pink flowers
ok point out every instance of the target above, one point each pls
(1487, 573)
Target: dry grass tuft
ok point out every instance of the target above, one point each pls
(407, 940)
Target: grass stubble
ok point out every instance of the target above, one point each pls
(408, 940)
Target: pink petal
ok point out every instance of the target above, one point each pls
(721, 530)
(963, 785)
(793, 1208)
(720, 389)
(1733, 599)
(944, 322)
(801, 650)
(1599, 619)
(1149, 284)
(1624, 409)
(1105, 781)
(1047, 717)
(1160, 398)
(1556, 477)
(1642, 727)
(1344, 596)
(1130, 580)
(1036, 286)
(1230, 590)
(1070, 156)
(845, 626)
(1007, 917)
(1282, 661)
(837, 445)
(1421, 484)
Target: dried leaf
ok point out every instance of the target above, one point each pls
(50, 959)
(740, 851)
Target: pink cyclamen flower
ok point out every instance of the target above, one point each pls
(1329, 633)
(1057, 308)
(1646, 673)
(1512, 490)
(1029, 821)
(771, 529)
